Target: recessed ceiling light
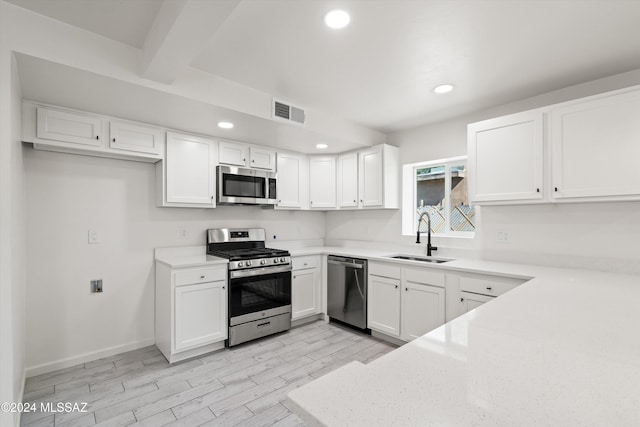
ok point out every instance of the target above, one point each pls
(337, 19)
(446, 88)
(225, 125)
(321, 146)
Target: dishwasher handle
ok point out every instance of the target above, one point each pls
(345, 264)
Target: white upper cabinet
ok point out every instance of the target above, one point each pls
(230, 153)
(348, 180)
(370, 176)
(72, 128)
(136, 138)
(322, 182)
(595, 147)
(379, 177)
(243, 155)
(293, 181)
(189, 173)
(577, 151)
(506, 158)
(262, 158)
(68, 131)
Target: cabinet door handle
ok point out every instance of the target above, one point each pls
(537, 190)
(555, 189)
(489, 288)
(97, 136)
(202, 277)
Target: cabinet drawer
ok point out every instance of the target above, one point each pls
(302, 262)
(200, 275)
(424, 276)
(384, 270)
(488, 285)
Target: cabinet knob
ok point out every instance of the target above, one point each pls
(489, 288)
(555, 189)
(461, 299)
(202, 277)
(396, 286)
(244, 160)
(354, 201)
(295, 277)
(279, 201)
(97, 136)
(114, 140)
(537, 190)
(406, 289)
(253, 161)
(360, 200)
(224, 287)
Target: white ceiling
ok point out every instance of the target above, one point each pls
(379, 71)
(127, 21)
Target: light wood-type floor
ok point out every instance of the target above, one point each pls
(246, 385)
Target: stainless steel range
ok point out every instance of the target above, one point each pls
(259, 283)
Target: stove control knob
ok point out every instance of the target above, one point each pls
(275, 260)
(248, 263)
(283, 259)
(240, 264)
(263, 261)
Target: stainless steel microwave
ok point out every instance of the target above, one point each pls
(241, 186)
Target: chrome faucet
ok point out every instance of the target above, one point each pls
(429, 247)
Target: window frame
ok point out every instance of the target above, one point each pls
(410, 190)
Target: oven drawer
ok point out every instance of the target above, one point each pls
(200, 275)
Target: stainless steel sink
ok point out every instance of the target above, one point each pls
(421, 259)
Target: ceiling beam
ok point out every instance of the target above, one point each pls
(179, 33)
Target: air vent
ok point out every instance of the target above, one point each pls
(283, 111)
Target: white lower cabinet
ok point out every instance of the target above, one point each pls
(306, 287)
(383, 305)
(200, 314)
(422, 309)
(469, 301)
(191, 310)
(468, 291)
(405, 302)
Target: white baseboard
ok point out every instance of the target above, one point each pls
(44, 368)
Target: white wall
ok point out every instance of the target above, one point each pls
(69, 194)
(594, 235)
(12, 236)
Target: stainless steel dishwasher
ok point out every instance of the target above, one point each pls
(347, 290)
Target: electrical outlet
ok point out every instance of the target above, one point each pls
(96, 286)
(183, 233)
(93, 236)
(503, 236)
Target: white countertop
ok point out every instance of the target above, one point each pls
(189, 256)
(562, 350)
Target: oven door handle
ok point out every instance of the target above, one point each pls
(259, 271)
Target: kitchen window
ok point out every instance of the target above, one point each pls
(438, 188)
